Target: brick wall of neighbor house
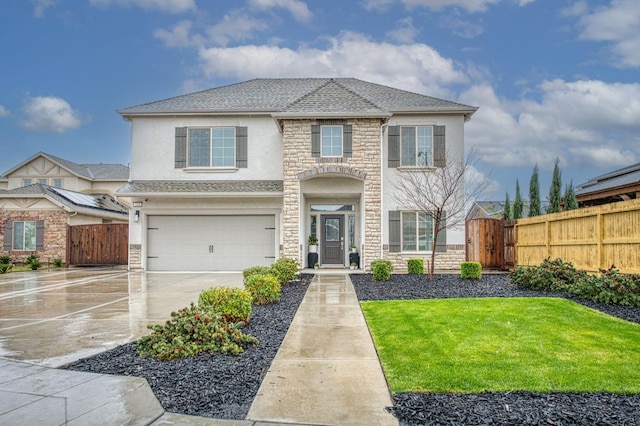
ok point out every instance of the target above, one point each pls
(297, 159)
(55, 234)
(449, 260)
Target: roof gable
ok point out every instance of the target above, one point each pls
(116, 172)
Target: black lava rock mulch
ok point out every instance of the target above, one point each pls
(509, 408)
(209, 385)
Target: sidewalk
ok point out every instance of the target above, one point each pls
(327, 371)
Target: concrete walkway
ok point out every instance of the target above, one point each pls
(327, 370)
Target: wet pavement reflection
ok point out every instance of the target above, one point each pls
(52, 318)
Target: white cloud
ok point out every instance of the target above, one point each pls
(298, 9)
(50, 114)
(618, 25)
(578, 8)
(470, 6)
(41, 6)
(405, 32)
(178, 36)
(235, 26)
(3, 111)
(585, 123)
(169, 6)
(416, 67)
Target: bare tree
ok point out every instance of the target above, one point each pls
(441, 193)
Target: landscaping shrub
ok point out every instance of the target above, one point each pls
(264, 289)
(284, 269)
(253, 270)
(471, 270)
(5, 259)
(57, 263)
(551, 275)
(5, 267)
(191, 331)
(608, 287)
(33, 262)
(415, 266)
(234, 304)
(381, 270)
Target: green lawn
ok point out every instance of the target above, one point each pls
(503, 344)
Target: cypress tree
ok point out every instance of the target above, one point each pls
(534, 194)
(518, 206)
(570, 202)
(555, 190)
(506, 214)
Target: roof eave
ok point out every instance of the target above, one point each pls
(261, 194)
(173, 113)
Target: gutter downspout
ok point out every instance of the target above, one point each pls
(382, 128)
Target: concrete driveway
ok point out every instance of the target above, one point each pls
(52, 318)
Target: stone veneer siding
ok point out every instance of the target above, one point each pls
(55, 234)
(449, 260)
(135, 256)
(299, 163)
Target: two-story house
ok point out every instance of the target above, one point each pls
(45, 194)
(240, 175)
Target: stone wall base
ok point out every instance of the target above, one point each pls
(449, 260)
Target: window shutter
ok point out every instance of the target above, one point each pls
(241, 147)
(7, 244)
(181, 148)
(40, 235)
(315, 140)
(439, 147)
(394, 232)
(347, 150)
(441, 239)
(393, 136)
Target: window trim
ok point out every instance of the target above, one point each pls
(324, 126)
(415, 148)
(211, 158)
(23, 239)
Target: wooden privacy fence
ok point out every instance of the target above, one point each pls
(100, 244)
(485, 242)
(591, 238)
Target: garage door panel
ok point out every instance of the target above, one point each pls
(210, 243)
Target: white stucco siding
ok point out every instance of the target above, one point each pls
(454, 125)
(153, 149)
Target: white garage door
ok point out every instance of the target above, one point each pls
(210, 243)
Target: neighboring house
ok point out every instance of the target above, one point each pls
(34, 219)
(619, 185)
(54, 171)
(240, 175)
(45, 194)
(495, 210)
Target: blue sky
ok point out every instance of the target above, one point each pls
(553, 78)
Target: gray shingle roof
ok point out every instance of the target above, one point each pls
(76, 201)
(617, 178)
(290, 96)
(201, 187)
(87, 171)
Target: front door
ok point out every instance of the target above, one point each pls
(332, 240)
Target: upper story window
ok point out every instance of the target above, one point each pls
(26, 182)
(331, 141)
(417, 146)
(213, 147)
(24, 236)
(57, 183)
(223, 147)
(42, 181)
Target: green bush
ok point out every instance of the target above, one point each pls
(57, 263)
(33, 262)
(234, 304)
(415, 266)
(5, 259)
(381, 270)
(470, 270)
(253, 270)
(285, 269)
(5, 267)
(264, 289)
(191, 331)
(608, 287)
